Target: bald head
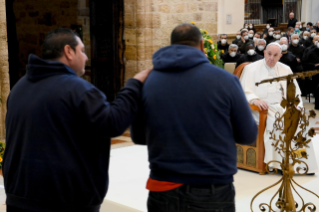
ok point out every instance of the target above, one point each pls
(291, 15)
(272, 54)
(295, 36)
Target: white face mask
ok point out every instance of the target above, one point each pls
(296, 41)
(267, 27)
(232, 54)
(246, 27)
(260, 48)
(278, 37)
(271, 33)
(305, 37)
(246, 37)
(251, 52)
(238, 37)
(223, 41)
(313, 34)
(318, 45)
(255, 39)
(300, 27)
(284, 47)
(250, 35)
(250, 27)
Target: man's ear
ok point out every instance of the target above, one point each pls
(68, 52)
(280, 55)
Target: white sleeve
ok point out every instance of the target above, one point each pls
(248, 84)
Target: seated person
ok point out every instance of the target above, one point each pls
(222, 44)
(288, 34)
(270, 35)
(297, 29)
(252, 27)
(295, 48)
(257, 36)
(309, 26)
(238, 38)
(304, 40)
(277, 36)
(251, 35)
(260, 47)
(244, 42)
(268, 96)
(232, 56)
(250, 56)
(266, 30)
(309, 42)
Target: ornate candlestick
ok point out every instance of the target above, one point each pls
(289, 145)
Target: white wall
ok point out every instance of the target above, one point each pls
(310, 10)
(235, 8)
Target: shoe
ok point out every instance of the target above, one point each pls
(311, 174)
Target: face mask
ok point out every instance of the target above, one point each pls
(268, 27)
(270, 33)
(233, 54)
(295, 41)
(305, 37)
(246, 27)
(251, 52)
(284, 47)
(246, 37)
(255, 39)
(313, 35)
(278, 37)
(250, 27)
(260, 48)
(224, 41)
(300, 27)
(238, 37)
(250, 35)
(297, 30)
(307, 29)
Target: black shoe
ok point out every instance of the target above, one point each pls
(311, 174)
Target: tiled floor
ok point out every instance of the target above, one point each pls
(129, 172)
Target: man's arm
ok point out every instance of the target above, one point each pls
(244, 125)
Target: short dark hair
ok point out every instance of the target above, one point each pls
(310, 24)
(260, 34)
(56, 40)
(249, 46)
(223, 35)
(186, 34)
(290, 28)
(242, 32)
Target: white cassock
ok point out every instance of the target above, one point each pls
(272, 94)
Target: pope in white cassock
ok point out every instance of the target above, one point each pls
(269, 96)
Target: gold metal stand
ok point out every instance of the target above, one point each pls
(291, 148)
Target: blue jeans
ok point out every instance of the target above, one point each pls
(193, 198)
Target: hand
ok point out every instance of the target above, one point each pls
(143, 75)
(261, 104)
(317, 64)
(298, 60)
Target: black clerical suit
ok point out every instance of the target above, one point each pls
(247, 58)
(292, 23)
(309, 42)
(236, 41)
(221, 47)
(290, 60)
(228, 59)
(242, 46)
(310, 59)
(296, 50)
(270, 39)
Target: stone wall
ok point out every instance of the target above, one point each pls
(4, 69)
(149, 23)
(35, 18)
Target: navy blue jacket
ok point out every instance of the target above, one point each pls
(192, 115)
(58, 138)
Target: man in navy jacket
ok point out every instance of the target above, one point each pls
(58, 131)
(192, 115)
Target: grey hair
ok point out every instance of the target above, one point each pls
(233, 46)
(294, 35)
(259, 40)
(283, 38)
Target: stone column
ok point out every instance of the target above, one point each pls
(4, 69)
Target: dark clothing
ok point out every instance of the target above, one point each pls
(228, 59)
(309, 42)
(242, 46)
(292, 23)
(269, 39)
(221, 47)
(191, 138)
(288, 38)
(236, 41)
(247, 58)
(290, 60)
(265, 31)
(303, 42)
(57, 145)
(296, 50)
(261, 53)
(194, 198)
(311, 58)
